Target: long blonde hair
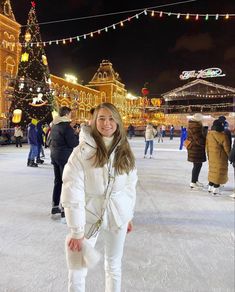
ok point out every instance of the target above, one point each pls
(124, 160)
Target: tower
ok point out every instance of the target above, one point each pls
(9, 54)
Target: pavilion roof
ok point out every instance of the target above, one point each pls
(199, 88)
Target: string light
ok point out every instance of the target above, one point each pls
(136, 16)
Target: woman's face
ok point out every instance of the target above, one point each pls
(105, 123)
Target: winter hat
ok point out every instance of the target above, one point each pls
(197, 117)
(218, 126)
(34, 122)
(222, 119)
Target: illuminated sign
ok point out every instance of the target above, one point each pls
(207, 73)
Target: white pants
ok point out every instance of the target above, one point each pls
(114, 243)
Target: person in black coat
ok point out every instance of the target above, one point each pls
(63, 140)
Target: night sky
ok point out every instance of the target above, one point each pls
(151, 49)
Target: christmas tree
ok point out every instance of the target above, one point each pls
(32, 97)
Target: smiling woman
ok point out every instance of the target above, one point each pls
(103, 175)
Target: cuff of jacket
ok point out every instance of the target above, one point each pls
(76, 234)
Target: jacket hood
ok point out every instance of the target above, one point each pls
(59, 119)
(85, 136)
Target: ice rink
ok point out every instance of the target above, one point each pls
(183, 240)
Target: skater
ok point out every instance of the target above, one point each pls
(99, 182)
(33, 143)
(18, 134)
(196, 150)
(183, 136)
(62, 142)
(150, 133)
(218, 148)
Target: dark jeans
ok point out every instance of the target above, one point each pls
(33, 152)
(18, 141)
(212, 184)
(147, 144)
(58, 171)
(196, 170)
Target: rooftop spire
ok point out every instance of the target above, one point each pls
(5, 9)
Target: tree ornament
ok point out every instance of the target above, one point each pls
(25, 57)
(27, 36)
(17, 114)
(44, 60)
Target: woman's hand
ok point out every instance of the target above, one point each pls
(129, 227)
(75, 244)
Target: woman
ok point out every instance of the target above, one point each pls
(218, 148)
(103, 155)
(196, 150)
(231, 159)
(18, 134)
(150, 133)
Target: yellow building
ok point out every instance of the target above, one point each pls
(9, 54)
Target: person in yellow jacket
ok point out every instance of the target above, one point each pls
(217, 148)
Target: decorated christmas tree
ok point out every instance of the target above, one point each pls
(32, 97)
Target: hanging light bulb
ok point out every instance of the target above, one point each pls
(187, 16)
(207, 17)
(197, 17)
(161, 13)
(91, 34)
(114, 27)
(152, 14)
(137, 16)
(217, 17)
(106, 29)
(121, 23)
(78, 39)
(178, 15)
(145, 12)
(227, 16)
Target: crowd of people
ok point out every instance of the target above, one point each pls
(214, 145)
(95, 177)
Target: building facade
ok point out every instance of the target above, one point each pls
(9, 54)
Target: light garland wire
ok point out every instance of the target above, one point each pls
(113, 26)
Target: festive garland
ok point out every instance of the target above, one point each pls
(152, 13)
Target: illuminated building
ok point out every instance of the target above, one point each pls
(9, 54)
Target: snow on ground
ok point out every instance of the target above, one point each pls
(183, 240)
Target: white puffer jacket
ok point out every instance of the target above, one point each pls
(84, 187)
